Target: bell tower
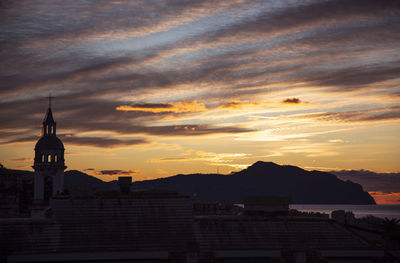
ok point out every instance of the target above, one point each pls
(49, 164)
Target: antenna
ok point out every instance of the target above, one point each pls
(50, 97)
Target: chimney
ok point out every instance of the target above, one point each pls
(125, 183)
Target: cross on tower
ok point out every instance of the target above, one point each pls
(50, 97)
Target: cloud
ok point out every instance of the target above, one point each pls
(173, 159)
(166, 130)
(291, 101)
(161, 171)
(211, 158)
(107, 70)
(336, 141)
(351, 78)
(109, 173)
(77, 115)
(305, 19)
(386, 198)
(371, 115)
(180, 68)
(98, 20)
(131, 20)
(128, 129)
(21, 159)
(76, 68)
(173, 107)
(371, 181)
(190, 130)
(238, 105)
(102, 142)
(117, 172)
(20, 140)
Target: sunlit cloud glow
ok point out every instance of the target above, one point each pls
(139, 84)
(173, 107)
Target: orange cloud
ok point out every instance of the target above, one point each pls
(238, 105)
(369, 115)
(22, 160)
(172, 107)
(386, 198)
(112, 172)
(292, 101)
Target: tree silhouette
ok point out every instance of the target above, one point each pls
(392, 228)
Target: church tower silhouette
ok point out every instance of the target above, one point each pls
(49, 164)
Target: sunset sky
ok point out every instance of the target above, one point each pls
(157, 88)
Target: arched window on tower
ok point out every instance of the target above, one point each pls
(42, 158)
(55, 158)
(49, 158)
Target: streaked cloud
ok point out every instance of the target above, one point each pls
(118, 172)
(173, 107)
(292, 101)
(371, 181)
(369, 115)
(173, 159)
(237, 105)
(22, 160)
(211, 158)
(386, 198)
(104, 142)
(315, 83)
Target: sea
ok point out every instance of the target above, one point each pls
(382, 211)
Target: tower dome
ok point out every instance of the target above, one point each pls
(49, 163)
(53, 143)
(49, 150)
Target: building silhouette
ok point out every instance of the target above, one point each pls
(49, 164)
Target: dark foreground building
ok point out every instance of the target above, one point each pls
(162, 227)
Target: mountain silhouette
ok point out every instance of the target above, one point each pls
(265, 178)
(261, 178)
(75, 180)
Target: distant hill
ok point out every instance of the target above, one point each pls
(261, 178)
(77, 180)
(265, 178)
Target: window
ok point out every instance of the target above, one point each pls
(48, 158)
(42, 158)
(55, 158)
